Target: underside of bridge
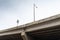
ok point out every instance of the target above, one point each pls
(11, 37)
(52, 33)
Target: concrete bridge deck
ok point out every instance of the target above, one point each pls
(48, 29)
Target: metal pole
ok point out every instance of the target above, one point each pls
(34, 11)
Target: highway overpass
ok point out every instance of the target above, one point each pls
(45, 29)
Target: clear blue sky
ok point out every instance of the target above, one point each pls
(11, 10)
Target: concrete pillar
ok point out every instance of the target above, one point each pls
(24, 35)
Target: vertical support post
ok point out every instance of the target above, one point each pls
(24, 36)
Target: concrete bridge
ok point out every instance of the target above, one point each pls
(45, 29)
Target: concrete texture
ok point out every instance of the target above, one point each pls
(34, 29)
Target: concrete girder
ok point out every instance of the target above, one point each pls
(38, 26)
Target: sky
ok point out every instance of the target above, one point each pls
(11, 10)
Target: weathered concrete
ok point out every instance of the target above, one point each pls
(33, 27)
(44, 23)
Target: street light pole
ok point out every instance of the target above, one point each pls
(34, 6)
(34, 11)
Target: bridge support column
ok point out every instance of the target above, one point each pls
(24, 35)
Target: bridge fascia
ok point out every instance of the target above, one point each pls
(45, 23)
